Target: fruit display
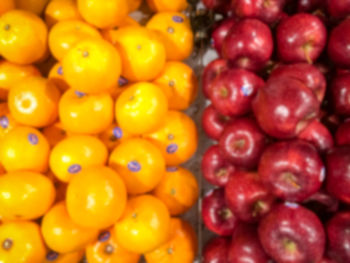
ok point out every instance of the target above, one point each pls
(95, 133)
(276, 165)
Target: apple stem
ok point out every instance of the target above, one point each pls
(222, 172)
(239, 144)
(307, 48)
(224, 92)
(258, 207)
(291, 179)
(226, 213)
(290, 245)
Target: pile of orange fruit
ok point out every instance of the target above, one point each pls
(93, 133)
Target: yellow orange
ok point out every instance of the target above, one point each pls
(61, 10)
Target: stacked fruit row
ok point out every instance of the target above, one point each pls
(279, 101)
(92, 133)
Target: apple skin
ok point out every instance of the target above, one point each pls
(216, 215)
(284, 107)
(211, 71)
(339, 237)
(310, 75)
(338, 9)
(338, 173)
(292, 170)
(247, 197)
(220, 33)
(301, 38)
(291, 233)
(213, 122)
(326, 260)
(243, 142)
(248, 45)
(216, 250)
(322, 203)
(305, 6)
(318, 135)
(221, 6)
(338, 44)
(246, 247)
(215, 168)
(340, 94)
(342, 136)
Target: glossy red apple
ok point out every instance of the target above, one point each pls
(338, 8)
(301, 38)
(305, 6)
(248, 45)
(310, 75)
(215, 168)
(317, 134)
(291, 233)
(216, 250)
(339, 237)
(220, 33)
(243, 142)
(217, 5)
(213, 122)
(247, 197)
(246, 247)
(340, 94)
(216, 215)
(284, 107)
(342, 136)
(292, 170)
(211, 71)
(338, 173)
(339, 44)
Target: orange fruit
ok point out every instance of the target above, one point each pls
(111, 34)
(11, 73)
(75, 153)
(113, 136)
(166, 5)
(181, 247)
(73, 257)
(176, 33)
(7, 122)
(23, 37)
(92, 66)
(96, 197)
(24, 148)
(21, 242)
(34, 6)
(54, 133)
(56, 76)
(134, 4)
(103, 14)
(178, 190)
(86, 114)
(26, 195)
(144, 226)
(107, 250)
(179, 83)
(6, 5)
(142, 52)
(141, 108)
(177, 138)
(60, 10)
(34, 101)
(139, 163)
(65, 34)
(61, 234)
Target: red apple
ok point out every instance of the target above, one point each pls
(310, 75)
(215, 169)
(292, 170)
(338, 8)
(247, 197)
(342, 136)
(291, 233)
(338, 173)
(301, 38)
(243, 142)
(339, 44)
(211, 71)
(233, 90)
(339, 237)
(216, 250)
(284, 107)
(318, 135)
(305, 6)
(220, 33)
(248, 45)
(340, 94)
(216, 215)
(322, 203)
(246, 247)
(222, 6)
(213, 122)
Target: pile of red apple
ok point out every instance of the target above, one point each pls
(280, 98)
